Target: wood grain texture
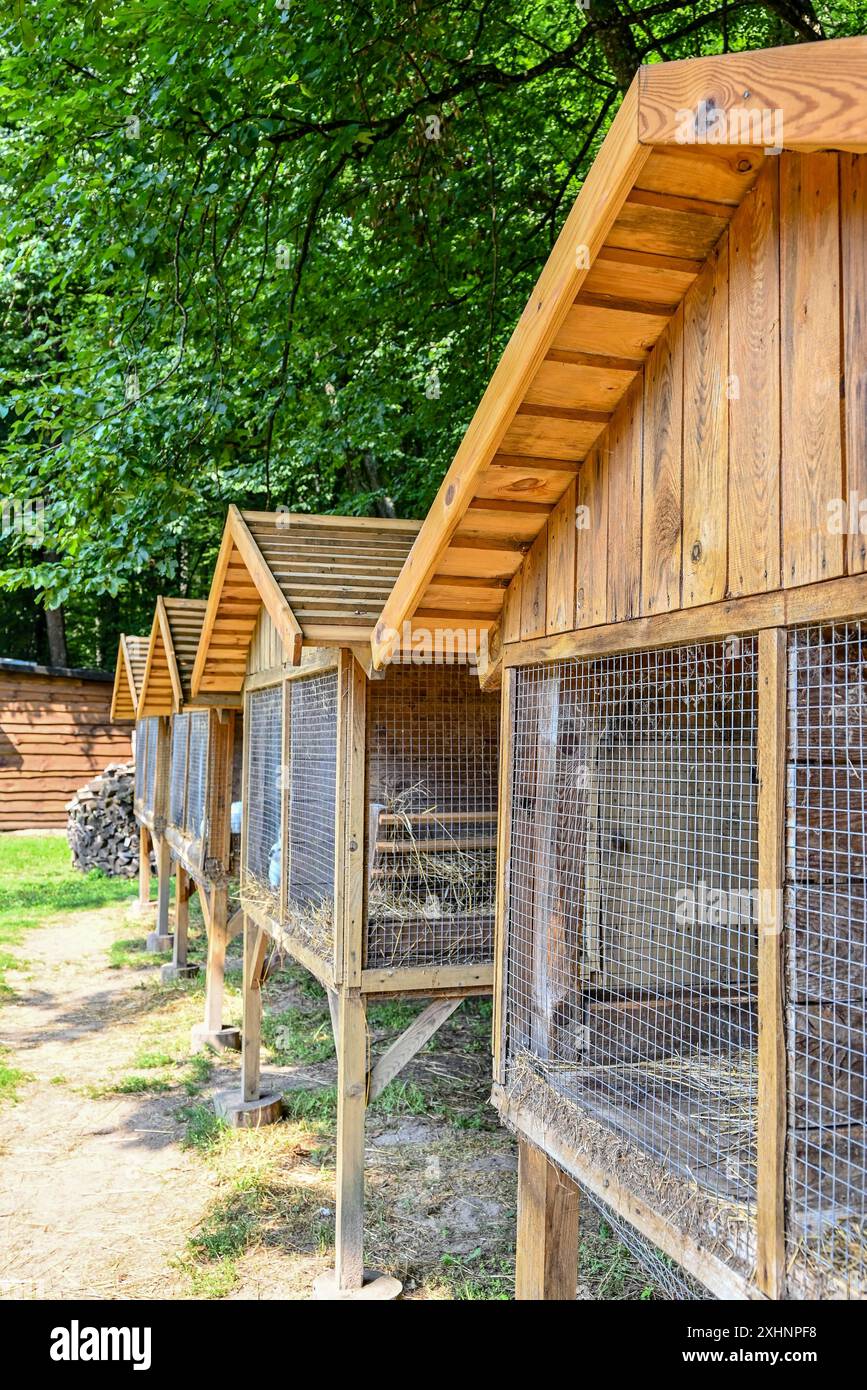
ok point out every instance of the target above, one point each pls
(754, 403)
(560, 595)
(853, 244)
(512, 609)
(624, 465)
(546, 1257)
(705, 432)
(811, 364)
(591, 540)
(662, 497)
(534, 588)
(819, 89)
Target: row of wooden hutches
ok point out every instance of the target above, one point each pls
(591, 737)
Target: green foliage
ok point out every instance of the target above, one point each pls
(10, 1078)
(298, 1035)
(270, 254)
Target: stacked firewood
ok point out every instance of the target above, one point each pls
(101, 828)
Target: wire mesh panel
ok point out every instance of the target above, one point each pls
(197, 772)
(262, 876)
(666, 1280)
(178, 769)
(826, 929)
(432, 817)
(312, 777)
(631, 992)
(146, 749)
(140, 757)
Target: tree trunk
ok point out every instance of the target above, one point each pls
(56, 628)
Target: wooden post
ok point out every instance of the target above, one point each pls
(164, 876)
(350, 869)
(771, 1104)
(546, 1263)
(217, 942)
(255, 941)
(351, 1105)
(144, 867)
(504, 845)
(182, 916)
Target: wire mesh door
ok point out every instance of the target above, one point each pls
(178, 769)
(433, 739)
(146, 763)
(197, 773)
(631, 991)
(312, 784)
(826, 974)
(262, 871)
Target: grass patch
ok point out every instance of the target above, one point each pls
(200, 1068)
(393, 1015)
(10, 1079)
(610, 1269)
(37, 881)
(402, 1098)
(295, 1035)
(203, 1127)
(471, 1278)
(148, 1061)
(131, 954)
(320, 1105)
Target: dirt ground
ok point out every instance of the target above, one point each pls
(115, 1184)
(116, 1180)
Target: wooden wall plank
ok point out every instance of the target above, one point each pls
(853, 242)
(754, 400)
(624, 465)
(534, 588)
(661, 524)
(591, 540)
(705, 432)
(512, 609)
(560, 597)
(810, 337)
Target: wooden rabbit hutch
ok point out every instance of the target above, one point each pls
(676, 433)
(201, 786)
(132, 653)
(369, 835)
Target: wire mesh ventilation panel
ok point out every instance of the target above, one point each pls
(311, 811)
(826, 925)
(631, 991)
(432, 817)
(147, 739)
(178, 769)
(262, 876)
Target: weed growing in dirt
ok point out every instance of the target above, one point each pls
(320, 1105)
(10, 1078)
(147, 1061)
(402, 1098)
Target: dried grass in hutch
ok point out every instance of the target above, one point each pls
(369, 838)
(654, 501)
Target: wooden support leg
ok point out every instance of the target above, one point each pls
(255, 941)
(182, 915)
(180, 969)
(161, 938)
(546, 1264)
(349, 1280)
(252, 1108)
(144, 867)
(351, 1106)
(211, 1033)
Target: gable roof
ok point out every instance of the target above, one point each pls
(128, 676)
(656, 200)
(322, 579)
(174, 639)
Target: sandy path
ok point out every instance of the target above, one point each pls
(96, 1195)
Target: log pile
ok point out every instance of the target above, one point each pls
(101, 826)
